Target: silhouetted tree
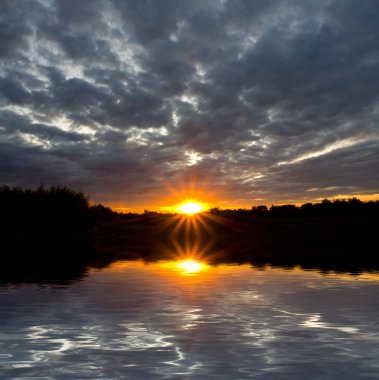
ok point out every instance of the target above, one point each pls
(102, 214)
(214, 210)
(259, 210)
(327, 208)
(47, 212)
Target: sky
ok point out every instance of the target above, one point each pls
(143, 103)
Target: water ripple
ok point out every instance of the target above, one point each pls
(142, 321)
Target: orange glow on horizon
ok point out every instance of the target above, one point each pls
(171, 269)
(211, 202)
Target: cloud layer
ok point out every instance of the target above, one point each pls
(250, 101)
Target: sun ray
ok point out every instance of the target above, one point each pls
(201, 221)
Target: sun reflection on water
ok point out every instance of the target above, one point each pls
(185, 267)
(190, 266)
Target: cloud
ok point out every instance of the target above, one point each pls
(257, 100)
(341, 144)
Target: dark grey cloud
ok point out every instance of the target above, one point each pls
(255, 101)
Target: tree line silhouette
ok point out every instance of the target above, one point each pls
(352, 207)
(60, 211)
(46, 212)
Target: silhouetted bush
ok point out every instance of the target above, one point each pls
(102, 214)
(54, 211)
(260, 210)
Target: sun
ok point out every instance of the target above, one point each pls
(190, 208)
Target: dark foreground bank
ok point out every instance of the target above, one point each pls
(335, 243)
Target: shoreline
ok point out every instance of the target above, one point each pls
(327, 244)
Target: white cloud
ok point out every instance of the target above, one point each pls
(341, 144)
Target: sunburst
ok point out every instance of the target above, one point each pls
(190, 207)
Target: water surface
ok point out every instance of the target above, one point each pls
(165, 320)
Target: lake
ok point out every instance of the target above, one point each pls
(190, 320)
